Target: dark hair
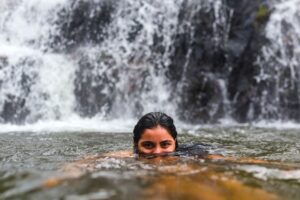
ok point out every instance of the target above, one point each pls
(152, 120)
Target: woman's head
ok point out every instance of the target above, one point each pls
(155, 133)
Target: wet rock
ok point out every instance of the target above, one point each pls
(205, 94)
(199, 61)
(246, 39)
(94, 92)
(13, 106)
(214, 70)
(14, 110)
(218, 47)
(84, 22)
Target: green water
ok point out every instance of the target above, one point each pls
(28, 159)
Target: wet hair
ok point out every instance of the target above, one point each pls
(152, 120)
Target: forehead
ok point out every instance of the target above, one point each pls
(157, 133)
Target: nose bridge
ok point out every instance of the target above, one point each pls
(157, 149)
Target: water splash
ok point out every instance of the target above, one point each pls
(279, 64)
(103, 60)
(266, 173)
(46, 75)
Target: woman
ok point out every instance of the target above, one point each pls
(155, 134)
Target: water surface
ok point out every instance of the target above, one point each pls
(28, 159)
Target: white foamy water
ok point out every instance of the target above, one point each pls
(49, 94)
(283, 30)
(75, 124)
(280, 60)
(39, 85)
(29, 23)
(41, 81)
(266, 173)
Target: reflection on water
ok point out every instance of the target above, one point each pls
(33, 166)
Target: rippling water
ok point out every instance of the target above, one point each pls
(29, 159)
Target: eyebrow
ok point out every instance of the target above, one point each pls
(166, 141)
(147, 142)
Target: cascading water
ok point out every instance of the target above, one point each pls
(87, 58)
(201, 61)
(36, 83)
(87, 69)
(279, 62)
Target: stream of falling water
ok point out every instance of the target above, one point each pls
(66, 94)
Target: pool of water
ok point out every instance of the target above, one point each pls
(264, 163)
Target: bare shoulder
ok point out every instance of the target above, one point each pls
(119, 154)
(82, 166)
(88, 162)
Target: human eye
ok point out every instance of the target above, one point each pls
(148, 145)
(165, 144)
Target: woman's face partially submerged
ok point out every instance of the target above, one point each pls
(156, 141)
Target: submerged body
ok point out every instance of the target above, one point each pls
(176, 177)
(89, 163)
(56, 156)
(177, 173)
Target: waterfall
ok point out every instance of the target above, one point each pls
(85, 58)
(200, 61)
(36, 83)
(279, 64)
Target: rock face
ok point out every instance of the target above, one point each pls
(214, 61)
(94, 91)
(199, 61)
(246, 36)
(14, 107)
(209, 60)
(80, 23)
